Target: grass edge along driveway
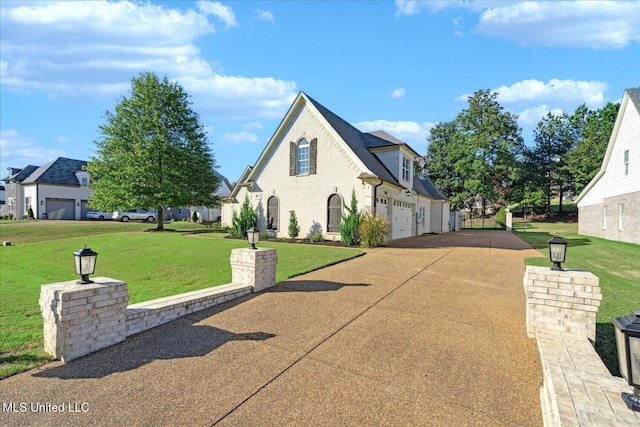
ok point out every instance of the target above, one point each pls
(153, 264)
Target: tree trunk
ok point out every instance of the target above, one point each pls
(160, 219)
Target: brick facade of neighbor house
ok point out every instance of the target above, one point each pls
(623, 227)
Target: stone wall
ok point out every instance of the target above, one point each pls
(561, 301)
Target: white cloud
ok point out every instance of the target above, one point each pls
(19, 150)
(593, 24)
(398, 93)
(413, 133)
(223, 13)
(263, 15)
(531, 116)
(240, 137)
(252, 126)
(560, 93)
(40, 53)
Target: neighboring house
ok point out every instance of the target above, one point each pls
(214, 214)
(57, 190)
(609, 206)
(313, 163)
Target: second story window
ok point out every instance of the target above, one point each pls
(626, 162)
(406, 167)
(303, 157)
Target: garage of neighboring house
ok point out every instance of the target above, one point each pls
(402, 214)
(60, 208)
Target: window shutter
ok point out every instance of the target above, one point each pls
(293, 161)
(313, 154)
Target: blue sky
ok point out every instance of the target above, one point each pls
(398, 66)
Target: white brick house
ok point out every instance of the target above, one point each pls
(315, 160)
(609, 206)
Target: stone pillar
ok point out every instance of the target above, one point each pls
(561, 301)
(255, 267)
(81, 319)
(509, 221)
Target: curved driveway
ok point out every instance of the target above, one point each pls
(428, 331)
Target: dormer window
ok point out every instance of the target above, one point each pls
(302, 157)
(406, 168)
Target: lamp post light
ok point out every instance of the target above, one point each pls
(85, 260)
(253, 236)
(628, 343)
(557, 252)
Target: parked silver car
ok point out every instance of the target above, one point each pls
(100, 215)
(135, 213)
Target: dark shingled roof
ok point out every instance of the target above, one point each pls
(22, 174)
(634, 96)
(360, 143)
(61, 171)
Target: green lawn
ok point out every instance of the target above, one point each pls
(614, 263)
(153, 264)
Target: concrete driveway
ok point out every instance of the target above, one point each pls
(428, 331)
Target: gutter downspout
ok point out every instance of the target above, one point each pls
(375, 197)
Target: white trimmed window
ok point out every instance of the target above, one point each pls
(620, 215)
(406, 167)
(626, 162)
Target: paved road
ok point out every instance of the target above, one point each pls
(429, 331)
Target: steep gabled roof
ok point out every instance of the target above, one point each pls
(426, 187)
(61, 171)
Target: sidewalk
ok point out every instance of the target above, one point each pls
(428, 331)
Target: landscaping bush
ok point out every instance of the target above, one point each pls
(373, 230)
(30, 213)
(349, 228)
(194, 216)
(294, 228)
(317, 237)
(501, 218)
(241, 223)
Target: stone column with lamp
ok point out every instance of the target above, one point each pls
(561, 300)
(83, 316)
(254, 266)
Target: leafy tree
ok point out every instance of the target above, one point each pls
(592, 131)
(553, 139)
(247, 218)
(492, 143)
(294, 228)
(153, 152)
(349, 227)
(477, 153)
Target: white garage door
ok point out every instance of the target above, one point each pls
(61, 209)
(402, 214)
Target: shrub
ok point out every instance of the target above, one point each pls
(241, 223)
(294, 228)
(194, 216)
(317, 237)
(373, 230)
(501, 218)
(30, 213)
(349, 228)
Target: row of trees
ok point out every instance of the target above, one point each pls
(482, 152)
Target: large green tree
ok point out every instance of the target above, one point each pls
(592, 129)
(153, 152)
(478, 152)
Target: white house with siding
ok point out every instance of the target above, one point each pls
(609, 206)
(313, 163)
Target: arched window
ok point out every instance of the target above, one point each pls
(272, 213)
(303, 157)
(334, 213)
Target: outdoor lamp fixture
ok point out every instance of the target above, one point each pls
(628, 343)
(85, 264)
(557, 252)
(253, 236)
